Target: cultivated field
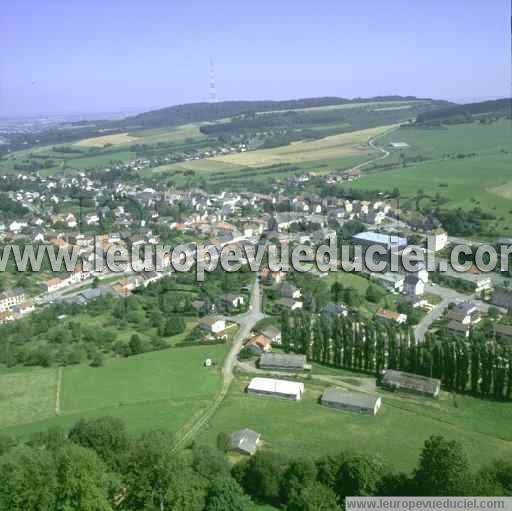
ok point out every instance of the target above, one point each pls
(116, 139)
(165, 389)
(396, 434)
(336, 146)
(367, 104)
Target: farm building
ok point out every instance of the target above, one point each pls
(283, 362)
(351, 401)
(398, 380)
(398, 145)
(276, 388)
(244, 441)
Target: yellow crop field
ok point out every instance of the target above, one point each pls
(116, 139)
(328, 148)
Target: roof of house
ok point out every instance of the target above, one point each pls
(356, 399)
(245, 440)
(465, 308)
(260, 341)
(387, 314)
(384, 239)
(334, 308)
(211, 320)
(282, 360)
(411, 279)
(457, 326)
(12, 293)
(270, 331)
(286, 302)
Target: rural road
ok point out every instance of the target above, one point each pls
(246, 322)
(447, 296)
(371, 143)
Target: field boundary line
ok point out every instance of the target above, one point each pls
(57, 390)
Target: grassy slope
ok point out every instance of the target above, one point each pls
(482, 180)
(164, 389)
(396, 434)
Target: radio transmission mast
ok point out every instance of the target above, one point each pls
(213, 88)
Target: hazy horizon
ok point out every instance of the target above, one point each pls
(66, 59)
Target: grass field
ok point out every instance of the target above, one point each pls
(164, 389)
(25, 395)
(379, 105)
(483, 180)
(397, 433)
(477, 138)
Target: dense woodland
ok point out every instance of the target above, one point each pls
(478, 365)
(97, 466)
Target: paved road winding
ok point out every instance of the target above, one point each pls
(247, 321)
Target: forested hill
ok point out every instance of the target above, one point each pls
(204, 112)
(467, 112)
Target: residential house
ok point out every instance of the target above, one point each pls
(413, 285)
(288, 304)
(439, 239)
(391, 316)
(262, 342)
(272, 333)
(214, 325)
(289, 291)
(10, 298)
(335, 309)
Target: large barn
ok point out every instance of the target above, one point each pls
(276, 388)
(351, 401)
(398, 380)
(283, 362)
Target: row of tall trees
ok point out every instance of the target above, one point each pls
(477, 364)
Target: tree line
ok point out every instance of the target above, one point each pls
(478, 364)
(97, 466)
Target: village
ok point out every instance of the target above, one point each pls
(51, 214)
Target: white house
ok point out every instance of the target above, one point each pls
(213, 324)
(10, 298)
(439, 239)
(413, 285)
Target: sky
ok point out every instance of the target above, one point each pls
(63, 57)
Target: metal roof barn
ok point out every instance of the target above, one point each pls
(276, 388)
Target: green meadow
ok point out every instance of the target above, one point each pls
(158, 390)
(482, 178)
(396, 433)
